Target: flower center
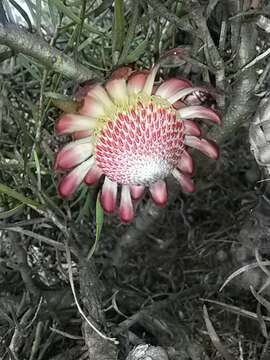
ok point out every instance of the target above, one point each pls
(141, 143)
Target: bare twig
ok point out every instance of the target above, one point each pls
(21, 41)
(22, 266)
(98, 347)
(182, 23)
(242, 102)
(241, 271)
(237, 310)
(214, 336)
(39, 237)
(18, 336)
(91, 324)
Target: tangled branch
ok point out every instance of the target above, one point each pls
(24, 42)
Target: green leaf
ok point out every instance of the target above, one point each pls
(38, 15)
(18, 196)
(99, 218)
(135, 54)
(130, 33)
(63, 102)
(118, 26)
(69, 13)
(37, 163)
(99, 224)
(11, 212)
(28, 64)
(53, 13)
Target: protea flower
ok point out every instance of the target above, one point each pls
(134, 134)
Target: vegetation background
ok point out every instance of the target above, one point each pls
(187, 282)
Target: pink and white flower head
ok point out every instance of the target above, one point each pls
(134, 135)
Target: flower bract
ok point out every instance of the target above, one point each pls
(132, 135)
